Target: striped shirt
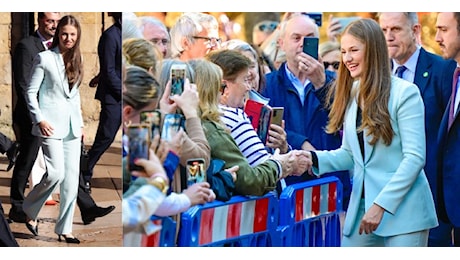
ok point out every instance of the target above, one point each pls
(244, 135)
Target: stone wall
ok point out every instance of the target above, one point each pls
(92, 23)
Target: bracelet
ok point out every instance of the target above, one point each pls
(159, 183)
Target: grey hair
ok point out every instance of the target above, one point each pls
(130, 25)
(239, 45)
(187, 26)
(164, 74)
(144, 20)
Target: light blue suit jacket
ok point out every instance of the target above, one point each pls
(393, 175)
(56, 104)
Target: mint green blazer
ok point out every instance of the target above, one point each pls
(392, 176)
(49, 98)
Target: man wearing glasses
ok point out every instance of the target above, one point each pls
(194, 35)
(155, 31)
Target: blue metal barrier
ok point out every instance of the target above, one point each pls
(241, 221)
(310, 214)
(165, 237)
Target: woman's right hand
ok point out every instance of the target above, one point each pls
(167, 106)
(45, 128)
(188, 100)
(152, 167)
(287, 162)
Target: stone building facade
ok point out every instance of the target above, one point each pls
(14, 26)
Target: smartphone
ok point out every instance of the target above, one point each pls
(310, 46)
(177, 78)
(171, 125)
(317, 16)
(152, 118)
(277, 115)
(195, 171)
(138, 144)
(345, 21)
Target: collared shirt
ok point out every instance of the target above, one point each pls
(45, 42)
(457, 95)
(297, 84)
(411, 64)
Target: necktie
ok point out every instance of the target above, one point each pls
(400, 70)
(48, 44)
(452, 97)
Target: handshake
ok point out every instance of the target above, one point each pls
(294, 163)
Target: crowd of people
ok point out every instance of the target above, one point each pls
(353, 113)
(375, 109)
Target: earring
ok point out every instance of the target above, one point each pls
(127, 123)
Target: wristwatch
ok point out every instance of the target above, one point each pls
(160, 183)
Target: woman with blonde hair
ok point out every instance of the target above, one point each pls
(257, 180)
(142, 53)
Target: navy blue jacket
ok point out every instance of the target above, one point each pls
(448, 178)
(109, 51)
(433, 76)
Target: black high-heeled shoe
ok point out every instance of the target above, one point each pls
(69, 240)
(33, 229)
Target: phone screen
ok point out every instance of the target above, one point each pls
(171, 125)
(152, 118)
(177, 80)
(138, 144)
(277, 115)
(310, 46)
(195, 171)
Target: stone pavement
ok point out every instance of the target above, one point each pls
(106, 190)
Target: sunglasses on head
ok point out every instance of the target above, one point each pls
(334, 64)
(267, 27)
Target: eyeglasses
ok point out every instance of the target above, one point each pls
(157, 41)
(209, 40)
(267, 27)
(334, 64)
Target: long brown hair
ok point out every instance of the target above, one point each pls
(72, 58)
(374, 85)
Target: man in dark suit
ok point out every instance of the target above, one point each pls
(431, 74)
(23, 57)
(108, 93)
(448, 35)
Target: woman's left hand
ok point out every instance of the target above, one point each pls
(277, 138)
(371, 219)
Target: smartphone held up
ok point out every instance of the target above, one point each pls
(138, 144)
(177, 78)
(310, 46)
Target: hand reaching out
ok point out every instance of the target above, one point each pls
(200, 193)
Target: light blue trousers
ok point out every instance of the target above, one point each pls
(414, 239)
(62, 160)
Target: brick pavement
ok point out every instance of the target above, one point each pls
(106, 190)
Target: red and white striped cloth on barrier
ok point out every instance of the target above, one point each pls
(233, 220)
(316, 200)
(154, 239)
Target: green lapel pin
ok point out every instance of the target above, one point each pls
(425, 74)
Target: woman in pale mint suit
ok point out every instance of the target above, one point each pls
(53, 99)
(383, 143)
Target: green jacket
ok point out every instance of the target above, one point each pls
(255, 181)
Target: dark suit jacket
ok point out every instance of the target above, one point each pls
(109, 51)
(449, 168)
(433, 76)
(23, 58)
